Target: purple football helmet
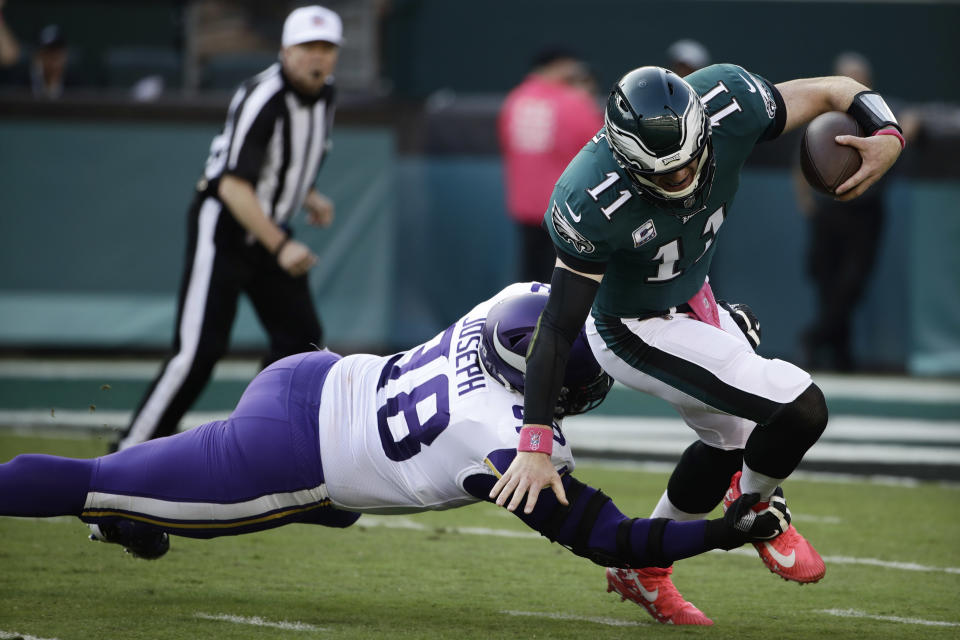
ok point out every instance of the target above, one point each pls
(503, 349)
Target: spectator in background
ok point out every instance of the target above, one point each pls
(48, 72)
(841, 251)
(260, 172)
(543, 123)
(9, 47)
(686, 56)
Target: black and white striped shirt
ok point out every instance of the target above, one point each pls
(274, 138)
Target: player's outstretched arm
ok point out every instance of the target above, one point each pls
(593, 527)
(807, 98)
(571, 296)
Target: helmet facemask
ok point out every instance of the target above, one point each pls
(656, 125)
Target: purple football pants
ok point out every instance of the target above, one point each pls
(258, 469)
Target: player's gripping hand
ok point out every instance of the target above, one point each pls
(877, 154)
(749, 520)
(295, 258)
(528, 474)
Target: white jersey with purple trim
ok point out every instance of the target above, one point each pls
(401, 433)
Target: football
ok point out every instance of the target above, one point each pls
(825, 164)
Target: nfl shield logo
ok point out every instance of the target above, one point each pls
(644, 234)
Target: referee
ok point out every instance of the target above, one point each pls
(260, 172)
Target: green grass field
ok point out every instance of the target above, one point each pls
(477, 572)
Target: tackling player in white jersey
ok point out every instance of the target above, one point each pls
(318, 438)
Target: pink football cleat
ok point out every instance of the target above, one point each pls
(652, 589)
(789, 555)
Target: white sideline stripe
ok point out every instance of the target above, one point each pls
(96, 419)
(668, 436)
(612, 622)
(887, 388)
(391, 522)
(108, 370)
(257, 621)
(858, 387)
(13, 635)
(873, 562)
(853, 613)
(845, 427)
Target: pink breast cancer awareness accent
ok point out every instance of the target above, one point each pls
(704, 306)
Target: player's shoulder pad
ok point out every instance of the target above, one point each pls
(730, 92)
(760, 93)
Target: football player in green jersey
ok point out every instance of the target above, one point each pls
(635, 218)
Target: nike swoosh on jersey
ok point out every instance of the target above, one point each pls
(782, 560)
(575, 217)
(750, 87)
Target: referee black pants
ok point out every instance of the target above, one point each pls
(220, 265)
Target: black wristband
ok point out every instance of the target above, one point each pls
(872, 113)
(276, 252)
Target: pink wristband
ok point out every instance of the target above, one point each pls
(537, 439)
(890, 131)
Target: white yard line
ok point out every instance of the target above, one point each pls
(257, 621)
(873, 562)
(612, 622)
(13, 635)
(392, 522)
(853, 613)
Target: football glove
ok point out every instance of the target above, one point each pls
(746, 319)
(748, 520)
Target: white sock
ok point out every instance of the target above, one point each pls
(753, 482)
(666, 509)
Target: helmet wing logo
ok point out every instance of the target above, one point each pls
(515, 360)
(568, 233)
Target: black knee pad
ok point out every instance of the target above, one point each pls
(702, 476)
(776, 448)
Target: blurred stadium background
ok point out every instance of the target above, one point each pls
(94, 187)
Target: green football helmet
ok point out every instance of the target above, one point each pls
(656, 125)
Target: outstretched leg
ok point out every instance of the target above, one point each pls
(259, 469)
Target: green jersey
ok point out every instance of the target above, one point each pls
(653, 259)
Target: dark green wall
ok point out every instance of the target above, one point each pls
(486, 46)
(93, 226)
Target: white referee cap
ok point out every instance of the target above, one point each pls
(309, 24)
